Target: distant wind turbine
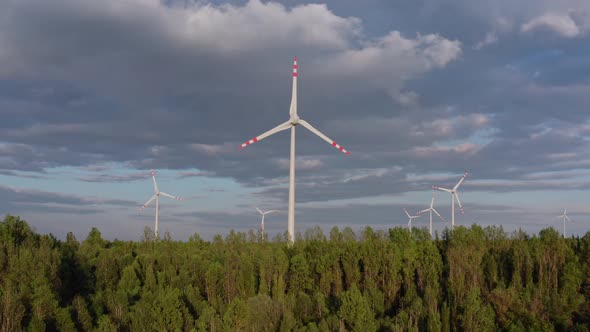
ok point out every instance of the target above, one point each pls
(156, 197)
(454, 194)
(262, 221)
(294, 120)
(410, 218)
(432, 209)
(564, 217)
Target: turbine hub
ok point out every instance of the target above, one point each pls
(294, 120)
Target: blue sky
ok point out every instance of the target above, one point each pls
(95, 94)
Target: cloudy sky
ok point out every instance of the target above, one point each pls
(94, 94)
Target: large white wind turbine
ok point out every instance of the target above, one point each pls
(454, 194)
(294, 120)
(262, 221)
(410, 218)
(564, 218)
(156, 197)
(432, 209)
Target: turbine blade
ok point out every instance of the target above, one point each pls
(281, 127)
(170, 196)
(459, 202)
(406, 211)
(322, 136)
(460, 181)
(293, 107)
(270, 211)
(260, 211)
(148, 202)
(442, 189)
(438, 214)
(425, 210)
(155, 184)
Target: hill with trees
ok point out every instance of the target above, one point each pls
(471, 279)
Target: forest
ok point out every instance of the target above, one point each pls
(470, 279)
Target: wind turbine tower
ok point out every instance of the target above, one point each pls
(156, 197)
(293, 121)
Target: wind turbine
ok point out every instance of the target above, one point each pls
(564, 217)
(410, 218)
(156, 196)
(262, 221)
(454, 194)
(294, 120)
(432, 209)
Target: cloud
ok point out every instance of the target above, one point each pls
(189, 174)
(114, 177)
(214, 149)
(559, 23)
(112, 88)
(22, 200)
(231, 28)
(490, 38)
(394, 53)
(300, 163)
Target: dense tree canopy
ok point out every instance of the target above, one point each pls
(471, 279)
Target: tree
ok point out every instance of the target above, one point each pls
(356, 311)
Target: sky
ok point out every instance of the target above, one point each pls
(95, 94)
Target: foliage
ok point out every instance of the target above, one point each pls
(471, 279)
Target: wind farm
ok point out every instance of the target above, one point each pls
(460, 202)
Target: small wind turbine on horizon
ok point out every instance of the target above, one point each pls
(432, 209)
(410, 218)
(564, 217)
(156, 197)
(454, 194)
(262, 221)
(294, 120)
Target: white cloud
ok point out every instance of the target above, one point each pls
(257, 24)
(405, 98)
(395, 52)
(434, 151)
(490, 38)
(300, 163)
(213, 149)
(559, 23)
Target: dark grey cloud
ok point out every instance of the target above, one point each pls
(114, 177)
(37, 196)
(412, 89)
